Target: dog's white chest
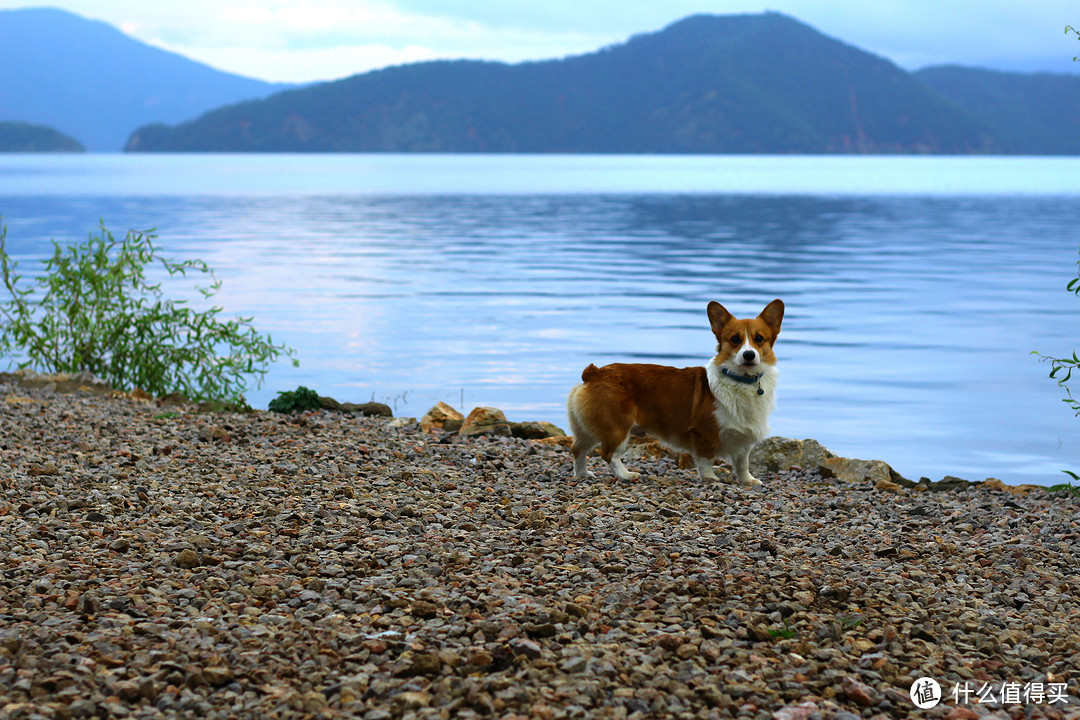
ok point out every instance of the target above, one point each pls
(740, 408)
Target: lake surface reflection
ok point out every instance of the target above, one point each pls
(911, 315)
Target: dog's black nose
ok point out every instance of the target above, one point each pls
(749, 355)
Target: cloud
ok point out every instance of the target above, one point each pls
(294, 41)
(307, 65)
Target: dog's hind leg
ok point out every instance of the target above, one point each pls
(609, 429)
(580, 450)
(705, 467)
(584, 440)
(614, 458)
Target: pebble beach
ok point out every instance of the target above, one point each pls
(161, 562)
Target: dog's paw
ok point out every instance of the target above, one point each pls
(749, 481)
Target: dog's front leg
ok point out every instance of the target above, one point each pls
(742, 470)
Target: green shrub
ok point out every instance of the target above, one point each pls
(301, 398)
(1067, 487)
(93, 310)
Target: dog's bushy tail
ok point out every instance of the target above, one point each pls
(589, 373)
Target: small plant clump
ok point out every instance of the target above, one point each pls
(1068, 487)
(94, 310)
(297, 400)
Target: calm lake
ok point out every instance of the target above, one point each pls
(916, 288)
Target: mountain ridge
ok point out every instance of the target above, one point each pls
(752, 83)
(92, 82)
(763, 83)
(20, 137)
(1034, 113)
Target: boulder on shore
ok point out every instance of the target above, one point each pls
(370, 409)
(486, 421)
(536, 430)
(876, 471)
(776, 454)
(441, 417)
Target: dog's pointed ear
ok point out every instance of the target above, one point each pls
(773, 315)
(718, 318)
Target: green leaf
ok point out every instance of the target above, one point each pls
(94, 310)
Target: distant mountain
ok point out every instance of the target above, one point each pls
(92, 82)
(24, 137)
(1036, 114)
(706, 84)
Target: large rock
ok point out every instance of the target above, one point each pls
(485, 421)
(776, 454)
(536, 430)
(370, 409)
(562, 441)
(441, 417)
(857, 471)
(1018, 490)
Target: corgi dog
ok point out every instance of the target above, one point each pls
(719, 410)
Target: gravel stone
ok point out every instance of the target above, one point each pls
(183, 564)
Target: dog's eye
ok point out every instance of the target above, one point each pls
(759, 339)
(736, 339)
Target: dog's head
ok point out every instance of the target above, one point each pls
(746, 344)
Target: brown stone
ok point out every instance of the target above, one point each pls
(217, 675)
(412, 699)
(441, 417)
(419, 664)
(776, 454)
(858, 471)
(370, 409)
(802, 711)
(423, 609)
(535, 430)
(564, 441)
(859, 692)
(669, 641)
(1017, 490)
(210, 434)
(479, 658)
(486, 421)
(188, 558)
(960, 712)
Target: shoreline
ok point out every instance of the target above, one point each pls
(774, 453)
(160, 562)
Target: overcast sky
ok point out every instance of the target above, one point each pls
(306, 40)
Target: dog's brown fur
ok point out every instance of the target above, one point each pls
(690, 409)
